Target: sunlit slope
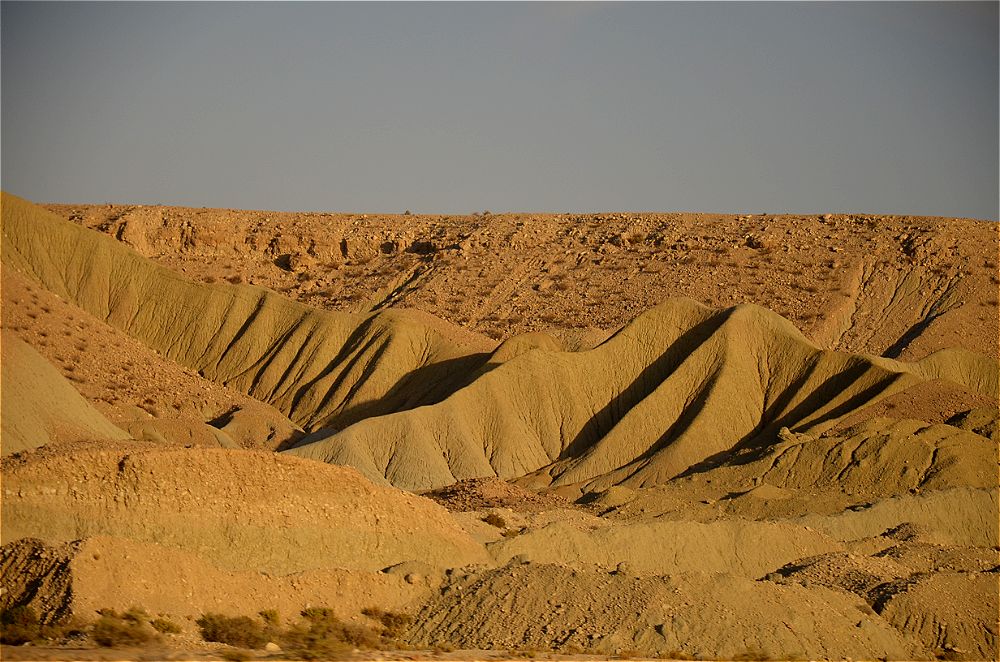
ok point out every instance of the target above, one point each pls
(319, 368)
(40, 406)
(406, 398)
(241, 510)
(681, 385)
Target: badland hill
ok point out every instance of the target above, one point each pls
(677, 435)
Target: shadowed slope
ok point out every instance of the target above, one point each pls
(681, 385)
(406, 400)
(319, 368)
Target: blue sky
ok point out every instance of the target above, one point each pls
(458, 107)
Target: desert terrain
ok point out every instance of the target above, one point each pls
(235, 434)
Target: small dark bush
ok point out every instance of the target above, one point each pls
(495, 520)
(240, 631)
(165, 626)
(270, 617)
(111, 630)
(321, 635)
(752, 654)
(19, 626)
(675, 655)
(393, 623)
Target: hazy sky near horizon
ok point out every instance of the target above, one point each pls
(458, 107)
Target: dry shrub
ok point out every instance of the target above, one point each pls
(495, 520)
(19, 625)
(165, 626)
(752, 654)
(320, 634)
(114, 630)
(393, 623)
(636, 237)
(240, 631)
(271, 617)
(526, 653)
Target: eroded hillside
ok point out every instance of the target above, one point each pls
(887, 285)
(675, 435)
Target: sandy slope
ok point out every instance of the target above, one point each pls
(73, 578)
(317, 367)
(744, 488)
(40, 406)
(131, 384)
(857, 283)
(719, 617)
(678, 386)
(238, 509)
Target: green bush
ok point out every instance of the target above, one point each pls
(240, 631)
